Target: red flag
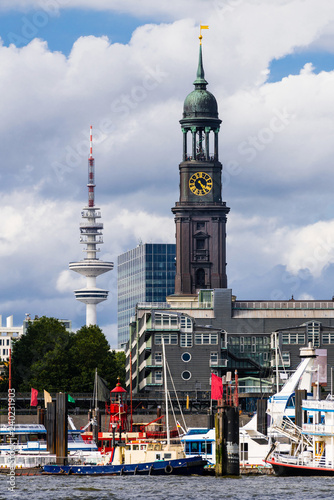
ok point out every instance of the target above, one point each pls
(216, 387)
(33, 398)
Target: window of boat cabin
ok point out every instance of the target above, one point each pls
(243, 452)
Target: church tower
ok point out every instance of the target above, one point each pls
(200, 214)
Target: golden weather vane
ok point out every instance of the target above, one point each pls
(202, 27)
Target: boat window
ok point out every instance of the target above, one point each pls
(135, 447)
(206, 448)
(243, 451)
(194, 447)
(158, 456)
(167, 456)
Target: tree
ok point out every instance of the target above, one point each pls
(91, 351)
(36, 354)
(51, 358)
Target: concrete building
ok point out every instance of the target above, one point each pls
(144, 274)
(7, 334)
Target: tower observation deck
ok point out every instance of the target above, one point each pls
(91, 236)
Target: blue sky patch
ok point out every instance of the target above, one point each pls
(62, 31)
(293, 63)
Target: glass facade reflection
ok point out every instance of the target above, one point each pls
(144, 274)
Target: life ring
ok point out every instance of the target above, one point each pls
(168, 469)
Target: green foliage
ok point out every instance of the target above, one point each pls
(51, 358)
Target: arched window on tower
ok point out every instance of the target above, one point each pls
(200, 278)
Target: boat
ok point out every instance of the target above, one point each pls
(255, 445)
(166, 466)
(200, 442)
(312, 445)
(28, 441)
(129, 451)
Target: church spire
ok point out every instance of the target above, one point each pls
(200, 81)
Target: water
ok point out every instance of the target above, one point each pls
(163, 488)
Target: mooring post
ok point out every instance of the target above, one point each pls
(61, 428)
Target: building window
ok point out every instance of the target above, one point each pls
(167, 321)
(293, 338)
(313, 333)
(186, 356)
(200, 225)
(328, 338)
(158, 358)
(158, 377)
(206, 338)
(186, 375)
(200, 244)
(169, 338)
(186, 339)
(286, 358)
(223, 340)
(200, 278)
(186, 324)
(213, 358)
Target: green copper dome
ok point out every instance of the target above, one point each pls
(200, 102)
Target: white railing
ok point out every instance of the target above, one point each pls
(323, 405)
(318, 429)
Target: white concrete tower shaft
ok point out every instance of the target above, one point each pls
(91, 236)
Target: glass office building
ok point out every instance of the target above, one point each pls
(144, 274)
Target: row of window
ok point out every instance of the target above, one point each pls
(186, 339)
(313, 337)
(186, 357)
(4, 341)
(157, 376)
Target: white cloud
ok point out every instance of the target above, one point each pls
(275, 143)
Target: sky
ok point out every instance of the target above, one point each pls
(125, 67)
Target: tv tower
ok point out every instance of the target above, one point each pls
(91, 236)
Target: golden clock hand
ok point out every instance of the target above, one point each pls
(203, 187)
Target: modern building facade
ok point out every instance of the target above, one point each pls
(215, 333)
(144, 274)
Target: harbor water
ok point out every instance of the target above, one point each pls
(163, 488)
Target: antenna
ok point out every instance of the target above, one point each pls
(91, 236)
(91, 171)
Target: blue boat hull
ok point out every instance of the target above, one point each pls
(181, 467)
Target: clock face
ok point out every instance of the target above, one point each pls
(200, 183)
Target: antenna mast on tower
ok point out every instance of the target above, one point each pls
(91, 236)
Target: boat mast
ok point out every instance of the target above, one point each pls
(166, 392)
(95, 388)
